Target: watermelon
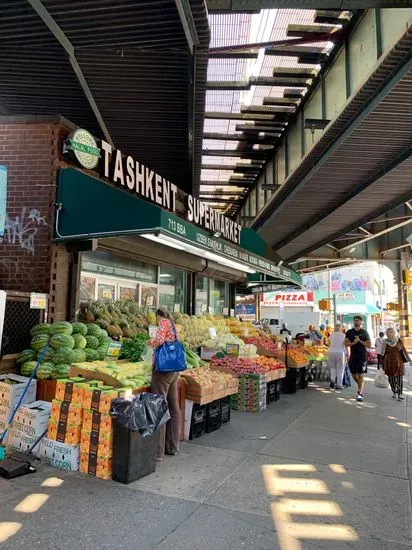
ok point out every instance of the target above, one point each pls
(102, 351)
(92, 342)
(62, 370)
(91, 354)
(44, 371)
(58, 341)
(42, 328)
(26, 355)
(27, 368)
(80, 341)
(79, 328)
(79, 356)
(103, 335)
(61, 327)
(93, 329)
(39, 341)
(47, 357)
(63, 355)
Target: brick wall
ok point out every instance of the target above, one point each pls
(30, 152)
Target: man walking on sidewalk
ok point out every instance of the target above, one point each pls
(358, 340)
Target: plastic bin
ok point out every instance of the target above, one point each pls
(213, 417)
(225, 409)
(198, 422)
(134, 456)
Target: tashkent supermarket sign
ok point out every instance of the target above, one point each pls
(128, 173)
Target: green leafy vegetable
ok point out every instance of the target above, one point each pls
(134, 348)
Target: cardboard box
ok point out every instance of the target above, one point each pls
(60, 455)
(100, 398)
(70, 389)
(28, 425)
(98, 466)
(97, 434)
(46, 390)
(65, 422)
(8, 364)
(11, 393)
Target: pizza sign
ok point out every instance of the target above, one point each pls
(286, 299)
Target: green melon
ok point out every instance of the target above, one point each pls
(92, 342)
(44, 371)
(103, 335)
(27, 368)
(80, 341)
(102, 351)
(58, 341)
(61, 327)
(63, 355)
(47, 357)
(91, 354)
(39, 341)
(93, 329)
(42, 328)
(79, 356)
(79, 328)
(61, 370)
(26, 355)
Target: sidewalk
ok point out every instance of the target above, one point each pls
(316, 470)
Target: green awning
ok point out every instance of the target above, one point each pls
(89, 208)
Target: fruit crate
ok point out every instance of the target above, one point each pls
(292, 381)
(225, 409)
(198, 422)
(213, 416)
(273, 391)
(303, 378)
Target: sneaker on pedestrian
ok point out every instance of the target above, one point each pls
(338, 388)
(360, 397)
(332, 385)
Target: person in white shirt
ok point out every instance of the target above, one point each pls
(378, 345)
(337, 354)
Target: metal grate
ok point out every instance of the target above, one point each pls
(18, 321)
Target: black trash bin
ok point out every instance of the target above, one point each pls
(136, 426)
(134, 456)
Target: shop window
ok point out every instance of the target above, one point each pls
(106, 292)
(172, 290)
(149, 296)
(218, 296)
(201, 295)
(110, 265)
(87, 288)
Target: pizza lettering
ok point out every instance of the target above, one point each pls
(287, 298)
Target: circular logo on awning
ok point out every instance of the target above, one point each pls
(84, 147)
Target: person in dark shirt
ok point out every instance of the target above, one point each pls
(358, 340)
(285, 330)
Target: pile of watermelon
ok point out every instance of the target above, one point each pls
(67, 343)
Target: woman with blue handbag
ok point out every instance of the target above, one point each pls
(168, 360)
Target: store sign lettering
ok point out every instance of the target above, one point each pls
(201, 214)
(127, 172)
(288, 299)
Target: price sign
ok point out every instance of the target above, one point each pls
(232, 349)
(38, 301)
(225, 312)
(176, 308)
(114, 350)
(307, 343)
(211, 310)
(232, 312)
(204, 308)
(212, 332)
(246, 332)
(152, 331)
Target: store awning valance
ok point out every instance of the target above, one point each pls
(89, 208)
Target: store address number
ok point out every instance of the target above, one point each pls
(177, 227)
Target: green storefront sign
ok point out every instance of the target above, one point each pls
(90, 208)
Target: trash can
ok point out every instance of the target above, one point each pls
(136, 435)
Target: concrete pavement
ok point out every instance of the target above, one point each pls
(316, 470)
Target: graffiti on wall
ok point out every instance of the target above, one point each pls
(22, 230)
(340, 281)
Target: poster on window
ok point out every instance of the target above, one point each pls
(148, 296)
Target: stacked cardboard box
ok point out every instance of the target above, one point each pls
(29, 423)
(96, 445)
(252, 393)
(11, 389)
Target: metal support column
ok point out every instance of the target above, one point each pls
(403, 296)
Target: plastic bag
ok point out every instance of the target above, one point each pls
(145, 413)
(148, 356)
(381, 380)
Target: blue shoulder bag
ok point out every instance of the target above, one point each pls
(170, 356)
